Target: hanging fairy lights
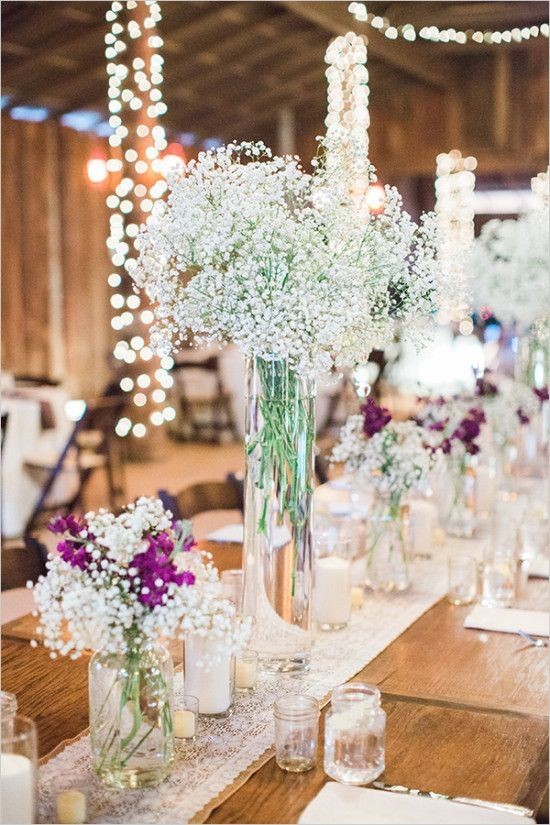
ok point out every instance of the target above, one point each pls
(454, 207)
(135, 71)
(409, 32)
(348, 117)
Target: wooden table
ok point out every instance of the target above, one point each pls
(467, 713)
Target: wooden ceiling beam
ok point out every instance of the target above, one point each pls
(410, 58)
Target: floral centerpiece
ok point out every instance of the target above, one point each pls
(120, 585)
(453, 428)
(250, 248)
(391, 456)
(507, 404)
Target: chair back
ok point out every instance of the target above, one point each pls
(4, 419)
(202, 498)
(21, 564)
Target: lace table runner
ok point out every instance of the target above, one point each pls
(227, 747)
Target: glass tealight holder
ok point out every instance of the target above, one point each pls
(18, 772)
(8, 711)
(296, 732)
(246, 671)
(332, 582)
(186, 718)
(355, 732)
(71, 798)
(462, 579)
(232, 587)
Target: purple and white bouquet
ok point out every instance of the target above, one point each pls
(391, 455)
(452, 426)
(120, 582)
(507, 404)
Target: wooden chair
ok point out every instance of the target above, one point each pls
(21, 564)
(203, 497)
(4, 420)
(210, 413)
(91, 446)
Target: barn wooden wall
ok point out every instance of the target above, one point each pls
(55, 297)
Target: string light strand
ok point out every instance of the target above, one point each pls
(410, 32)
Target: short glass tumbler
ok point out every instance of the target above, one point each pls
(296, 732)
(462, 579)
(355, 732)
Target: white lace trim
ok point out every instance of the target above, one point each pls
(227, 747)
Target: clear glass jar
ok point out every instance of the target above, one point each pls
(131, 726)
(460, 511)
(277, 552)
(389, 547)
(355, 731)
(296, 732)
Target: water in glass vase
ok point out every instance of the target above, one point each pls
(131, 730)
(277, 553)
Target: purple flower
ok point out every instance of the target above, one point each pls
(542, 393)
(523, 418)
(375, 417)
(66, 524)
(484, 387)
(156, 570)
(74, 554)
(445, 446)
(469, 429)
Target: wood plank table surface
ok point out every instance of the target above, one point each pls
(467, 713)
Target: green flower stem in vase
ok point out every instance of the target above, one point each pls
(131, 716)
(280, 432)
(389, 545)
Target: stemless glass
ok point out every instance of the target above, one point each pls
(355, 729)
(462, 579)
(296, 732)
(8, 711)
(500, 565)
(18, 763)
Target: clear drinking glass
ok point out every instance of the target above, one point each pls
(18, 771)
(500, 567)
(296, 732)
(232, 587)
(462, 579)
(355, 730)
(8, 711)
(389, 547)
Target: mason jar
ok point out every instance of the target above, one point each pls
(296, 732)
(131, 725)
(355, 730)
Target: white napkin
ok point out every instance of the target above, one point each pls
(508, 620)
(539, 567)
(347, 805)
(235, 533)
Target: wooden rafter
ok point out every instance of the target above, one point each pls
(408, 57)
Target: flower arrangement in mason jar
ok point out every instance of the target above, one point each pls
(121, 585)
(453, 428)
(390, 456)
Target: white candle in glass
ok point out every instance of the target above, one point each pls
(423, 516)
(485, 489)
(357, 596)
(208, 674)
(245, 674)
(16, 789)
(332, 591)
(71, 807)
(184, 724)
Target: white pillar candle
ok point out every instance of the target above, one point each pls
(184, 724)
(208, 674)
(423, 515)
(245, 674)
(485, 489)
(71, 807)
(332, 590)
(16, 789)
(357, 596)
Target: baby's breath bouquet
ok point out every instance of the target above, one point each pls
(291, 266)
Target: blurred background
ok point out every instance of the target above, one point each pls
(90, 415)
